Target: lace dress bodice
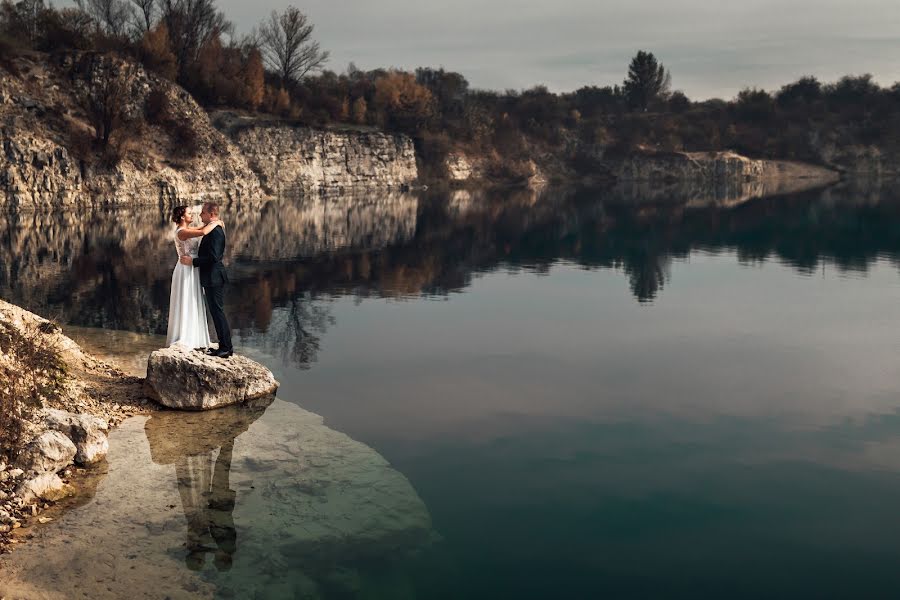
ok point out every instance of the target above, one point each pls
(187, 247)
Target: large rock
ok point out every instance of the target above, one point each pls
(49, 453)
(86, 431)
(46, 486)
(191, 380)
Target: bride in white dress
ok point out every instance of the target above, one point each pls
(187, 306)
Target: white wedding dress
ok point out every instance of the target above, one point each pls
(187, 305)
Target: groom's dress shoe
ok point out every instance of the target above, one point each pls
(212, 351)
(224, 353)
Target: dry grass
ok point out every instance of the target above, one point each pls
(32, 371)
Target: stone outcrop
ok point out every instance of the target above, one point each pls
(86, 431)
(708, 168)
(190, 380)
(41, 460)
(49, 453)
(35, 171)
(461, 168)
(42, 165)
(287, 158)
(46, 486)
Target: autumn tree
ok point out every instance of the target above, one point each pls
(648, 81)
(287, 45)
(156, 52)
(402, 102)
(358, 111)
(254, 80)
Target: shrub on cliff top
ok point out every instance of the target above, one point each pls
(156, 52)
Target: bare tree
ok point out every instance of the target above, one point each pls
(25, 17)
(144, 11)
(287, 45)
(106, 102)
(191, 24)
(112, 16)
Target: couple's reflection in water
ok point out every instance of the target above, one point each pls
(200, 446)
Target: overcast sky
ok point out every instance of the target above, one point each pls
(712, 47)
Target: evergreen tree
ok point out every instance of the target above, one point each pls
(648, 81)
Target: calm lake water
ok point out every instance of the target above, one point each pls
(523, 395)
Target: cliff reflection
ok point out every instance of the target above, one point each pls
(288, 257)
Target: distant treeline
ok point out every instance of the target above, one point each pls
(279, 69)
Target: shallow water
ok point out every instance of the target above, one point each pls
(566, 395)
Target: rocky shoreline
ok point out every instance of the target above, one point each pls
(62, 432)
(60, 403)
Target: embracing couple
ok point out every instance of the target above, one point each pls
(199, 282)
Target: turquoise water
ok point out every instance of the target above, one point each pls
(577, 395)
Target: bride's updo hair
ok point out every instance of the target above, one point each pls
(178, 213)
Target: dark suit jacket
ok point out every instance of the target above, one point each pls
(209, 259)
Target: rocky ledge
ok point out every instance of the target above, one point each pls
(190, 380)
(69, 439)
(56, 406)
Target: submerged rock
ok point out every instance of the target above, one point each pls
(191, 380)
(86, 431)
(49, 453)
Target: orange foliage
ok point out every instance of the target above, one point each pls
(156, 52)
(254, 80)
(402, 101)
(359, 111)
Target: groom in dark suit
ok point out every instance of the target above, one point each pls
(213, 278)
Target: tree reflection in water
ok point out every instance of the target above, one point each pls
(294, 331)
(289, 257)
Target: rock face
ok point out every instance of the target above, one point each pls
(707, 168)
(190, 380)
(41, 166)
(287, 158)
(36, 171)
(461, 168)
(86, 431)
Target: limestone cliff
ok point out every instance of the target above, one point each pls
(45, 133)
(297, 158)
(46, 157)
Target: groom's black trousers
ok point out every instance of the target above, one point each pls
(215, 300)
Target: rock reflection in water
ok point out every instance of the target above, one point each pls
(289, 257)
(240, 502)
